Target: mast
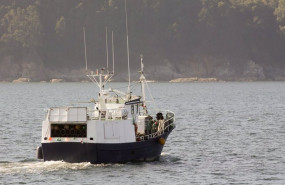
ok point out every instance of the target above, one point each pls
(113, 55)
(143, 81)
(100, 82)
(99, 78)
(128, 51)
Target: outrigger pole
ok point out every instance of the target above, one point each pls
(100, 78)
(113, 53)
(107, 50)
(85, 49)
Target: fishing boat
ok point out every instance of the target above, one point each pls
(116, 128)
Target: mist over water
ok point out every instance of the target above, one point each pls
(227, 133)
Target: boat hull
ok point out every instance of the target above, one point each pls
(97, 153)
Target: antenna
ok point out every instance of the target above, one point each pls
(85, 49)
(107, 52)
(128, 52)
(142, 66)
(113, 53)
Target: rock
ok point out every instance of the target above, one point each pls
(85, 81)
(56, 80)
(195, 79)
(150, 81)
(207, 80)
(185, 79)
(253, 72)
(22, 80)
(279, 78)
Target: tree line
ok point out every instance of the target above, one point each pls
(227, 39)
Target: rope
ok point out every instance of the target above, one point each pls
(155, 105)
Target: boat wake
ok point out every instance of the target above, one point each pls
(167, 158)
(31, 166)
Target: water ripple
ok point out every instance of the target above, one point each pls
(227, 133)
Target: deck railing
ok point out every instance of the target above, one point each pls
(104, 115)
(168, 123)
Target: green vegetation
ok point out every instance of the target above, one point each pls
(226, 39)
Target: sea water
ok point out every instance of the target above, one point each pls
(227, 133)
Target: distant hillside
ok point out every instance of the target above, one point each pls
(223, 39)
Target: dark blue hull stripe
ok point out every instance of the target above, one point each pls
(98, 153)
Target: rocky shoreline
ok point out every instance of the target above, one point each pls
(207, 70)
(23, 80)
(176, 80)
(194, 79)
